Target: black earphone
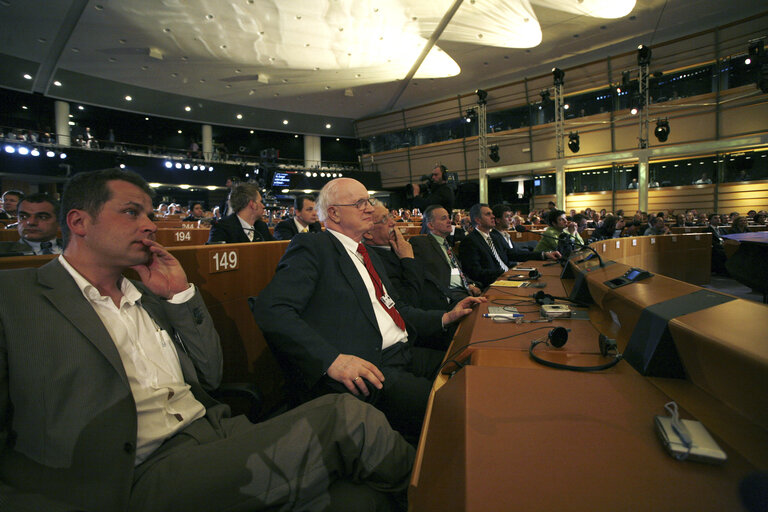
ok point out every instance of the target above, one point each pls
(558, 336)
(542, 298)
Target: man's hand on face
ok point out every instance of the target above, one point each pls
(162, 273)
(353, 371)
(400, 245)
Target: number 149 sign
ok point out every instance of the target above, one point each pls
(224, 261)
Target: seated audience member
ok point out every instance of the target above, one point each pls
(335, 323)
(104, 405)
(632, 184)
(704, 180)
(412, 283)
(517, 223)
(718, 251)
(245, 225)
(435, 252)
(739, 225)
(196, 212)
(581, 223)
(38, 226)
(10, 200)
(304, 220)
(405, 216)
(502, 216)
(466, 225)
(455, 220)
(611, 228)
(702, 220)
(760, 218)
(484, 254)
(557, 225)
(657, 228)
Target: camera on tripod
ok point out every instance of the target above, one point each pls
(425, 187)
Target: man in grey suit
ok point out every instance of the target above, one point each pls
(38, 226)
(437, 255)
(103, 402)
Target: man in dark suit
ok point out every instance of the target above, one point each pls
(439, 191)
(38, 226)
(303, 221)
(195, 213)
(334, 320)
(245, 225)
(103, 387)
(10, 201)
(485, 255)
(435, 252)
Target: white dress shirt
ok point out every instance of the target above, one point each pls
(299, 226)
(390, 332)
(55, 248)
(164, 402)
(248, 228)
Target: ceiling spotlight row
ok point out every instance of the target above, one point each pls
(311, 174)
(187, 166)
(12, 149)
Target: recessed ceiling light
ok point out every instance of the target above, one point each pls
(239, 116)
(295, 136)
(166, 30)
(146, 119)
(122, 41)
(179, 131)
(285, 121)
(202, 80)
(80, 107)
(112, 59)
(328, 126)
(174, 75)
(277, 94)
(188, 108)
(42, 40)
(27, 76)
(144, 67)
(128, 98)
(251, 132)
(337, 139)
(209, 16)
(228, 86)
(76, 50)
(24, 107)
(99, 7)
(223, 47)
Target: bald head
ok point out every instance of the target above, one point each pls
(343, 205)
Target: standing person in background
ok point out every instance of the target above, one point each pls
(438, 191)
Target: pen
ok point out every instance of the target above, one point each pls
(503, 315)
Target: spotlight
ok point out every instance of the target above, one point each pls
(481, 96)
(168, 164)
(634, 111)
(50, 154)
(662, 130)
(187, 166)
(23, 151)
(626, 79)
(210, 169)
(558, 75)
(35, 152)
(755, 52)
(544, 95)
(470, 115)
(493, 153)
(9, 149)
(643, 56)
(573, 142)
(62, 156)
(178, 166)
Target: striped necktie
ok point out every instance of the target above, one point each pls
(489, 240)
(455, 263)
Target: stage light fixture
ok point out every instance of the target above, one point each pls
(481, 96)
(470, 115)
(634, 111)
(50, 154)
(559, 76)
(35, 152)
(662, 130)
(9, 149)
(493, 153)
(544, 95)
(23, 150)
(573, 142)
(62, 155)
(643, 56)
(168, 164)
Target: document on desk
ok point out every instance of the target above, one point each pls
(510, 284)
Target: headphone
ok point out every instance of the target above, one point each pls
(557, 338)
(542, 298)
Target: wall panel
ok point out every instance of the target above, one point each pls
(742, 197)
(700, 197)
(626, 200)
(595, 200)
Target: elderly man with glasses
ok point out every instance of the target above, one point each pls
(333, 319)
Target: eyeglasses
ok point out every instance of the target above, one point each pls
(360, 204)
(384, 220)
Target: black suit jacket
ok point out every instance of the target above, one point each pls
(430, 254)
(478, 261)
(286, 229)
(317, 307)
(412, 282)
(229, 230)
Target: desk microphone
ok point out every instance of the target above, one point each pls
(565, 239)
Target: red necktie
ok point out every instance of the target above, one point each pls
(378, 287)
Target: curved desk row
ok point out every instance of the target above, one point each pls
(505, 433)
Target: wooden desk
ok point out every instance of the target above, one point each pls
(501, 425)
(526, 439)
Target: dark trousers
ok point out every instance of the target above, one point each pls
(408, 376)
(328, 454)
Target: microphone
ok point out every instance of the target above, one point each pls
(572, 242)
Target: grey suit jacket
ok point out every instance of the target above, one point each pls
(67, 415)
